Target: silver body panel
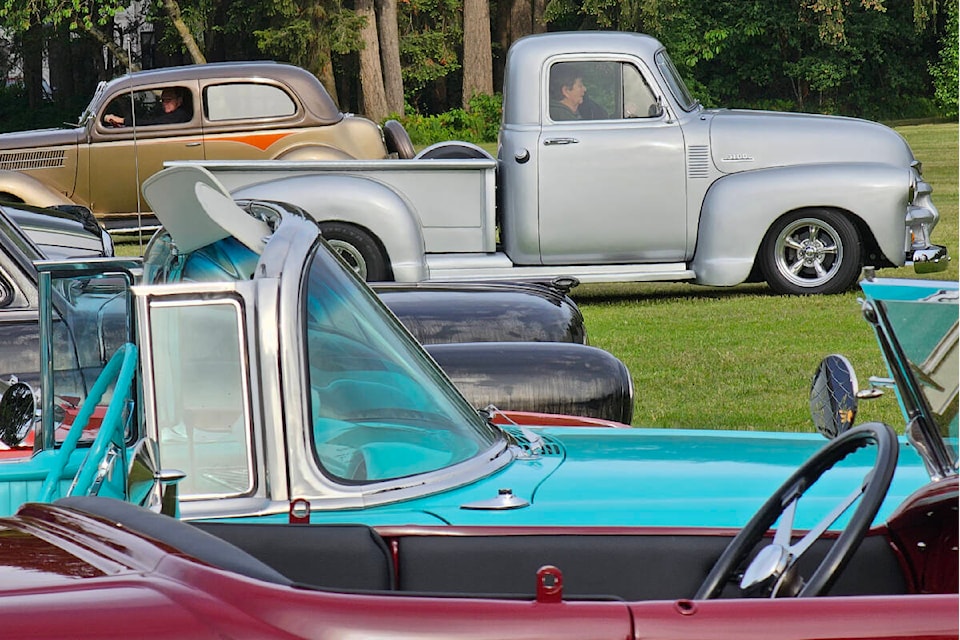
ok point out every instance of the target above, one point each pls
(683, 194)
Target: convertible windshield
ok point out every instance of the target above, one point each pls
(381, 409)
(927, 331)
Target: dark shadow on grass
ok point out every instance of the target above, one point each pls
(639, 291)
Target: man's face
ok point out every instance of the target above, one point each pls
(170, 102)
(574, 94)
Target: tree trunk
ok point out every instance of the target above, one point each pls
(115, 50)
(173, 10)
(32, 52)
(374, 97)
(539, 6)
(325, 72)
(477, 50)
(521, 19)
(390, 54)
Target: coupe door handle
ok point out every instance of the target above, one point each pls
(193, 144)
(552, 141)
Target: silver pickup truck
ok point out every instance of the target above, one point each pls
(638, 182)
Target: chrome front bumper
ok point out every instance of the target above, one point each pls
(931, 259)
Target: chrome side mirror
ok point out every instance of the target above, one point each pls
(833, 396)
(18, 408)
(150, 486)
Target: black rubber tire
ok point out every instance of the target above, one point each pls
(811, 251)
(398, 140)
(358, 249)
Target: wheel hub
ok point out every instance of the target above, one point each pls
(811, 251)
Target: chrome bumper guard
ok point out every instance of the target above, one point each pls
(931, 259)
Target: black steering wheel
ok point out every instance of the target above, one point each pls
(773, 571)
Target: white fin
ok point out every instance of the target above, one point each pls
(197, 210)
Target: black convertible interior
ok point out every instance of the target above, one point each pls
(350, 557)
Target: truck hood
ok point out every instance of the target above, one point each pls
(742, 140)
(41, 138)
(645, 477)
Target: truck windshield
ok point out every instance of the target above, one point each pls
(381, 409)
(677, 87)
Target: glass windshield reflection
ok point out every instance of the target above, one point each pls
(381, 409)
(928, 335)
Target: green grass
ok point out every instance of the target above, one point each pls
(742, 358)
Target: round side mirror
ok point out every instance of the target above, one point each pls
(17, 412)
(833, 396)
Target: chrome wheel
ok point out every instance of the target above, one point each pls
(811, 251)
(351, 255)
(358, 249)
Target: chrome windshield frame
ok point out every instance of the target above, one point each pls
(921, 429)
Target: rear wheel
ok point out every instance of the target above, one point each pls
(358, 249)
(811, 251)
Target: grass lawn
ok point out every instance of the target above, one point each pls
(742, 358)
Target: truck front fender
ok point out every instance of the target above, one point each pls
(16, 186)
(336, 198)
(739, 209)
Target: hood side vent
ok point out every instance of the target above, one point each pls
(698, 162)
(23, 160)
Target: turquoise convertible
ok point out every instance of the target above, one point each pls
(258, 376)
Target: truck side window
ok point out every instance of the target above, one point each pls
(638, 99)
(601, 90)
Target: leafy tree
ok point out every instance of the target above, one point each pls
(430, 37)
(944, 71)
(309, 33)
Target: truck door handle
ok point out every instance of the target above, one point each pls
(552, 141)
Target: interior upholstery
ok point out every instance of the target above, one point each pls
(336, 556)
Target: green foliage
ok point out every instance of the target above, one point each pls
(944, 71)
(14, 116)
(478, 124)
(299, 29)
(431, 35)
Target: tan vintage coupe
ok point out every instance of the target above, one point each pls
(226, 111)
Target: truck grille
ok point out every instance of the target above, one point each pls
(698, 161)
(23, 160)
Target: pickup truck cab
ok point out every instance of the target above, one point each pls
(641, 183)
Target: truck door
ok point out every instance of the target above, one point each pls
(610, 166)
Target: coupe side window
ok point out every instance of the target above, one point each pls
(246, 100)
(162, 105)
